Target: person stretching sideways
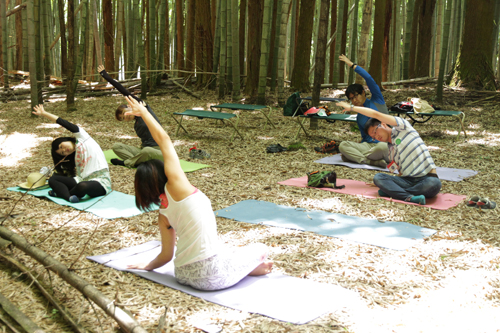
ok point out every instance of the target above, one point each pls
(132, 156)
(185, 212)
(417, 179)
(80, 164)
(368, 151)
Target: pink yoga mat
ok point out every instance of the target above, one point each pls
(442, 201)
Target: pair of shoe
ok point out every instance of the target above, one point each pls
(479, 202)
(198, 153)
(331, 147)
(275, 148)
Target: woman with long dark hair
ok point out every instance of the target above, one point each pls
(186, 213)
(81, 167)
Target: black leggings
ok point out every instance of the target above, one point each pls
(64, 187)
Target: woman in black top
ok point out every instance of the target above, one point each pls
(132, 156)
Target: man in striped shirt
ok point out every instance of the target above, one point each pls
(409, 155)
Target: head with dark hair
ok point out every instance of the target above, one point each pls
(149, 183)
(378, 130)
(356, 94)
(66, 167)
(120, 113)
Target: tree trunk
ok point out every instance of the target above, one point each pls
(204, 41)
(179, 41)
(440, 4)
(160, 58)
(152, 45)
(378, 42)
(140, 49)
(473, 69)
(26, 61)
(107, 16)
(70, 91)
(353, 40)
(190, 29)
(336, 63)
(293, 37)
(223, 48)
(217, 45)
(319, 71)
(423, 56)
(81, 52)
(343, 41)
(364, 38)
(236, 52)
(443, 53)
(407, 38)
(119, 34)
(4, 62)
(64, 50)
(300, 73)
(333, 29)
(19, 38)
(272, 37)
(166, 44)
(255, 17)
(46, 42)
(261, 97)
(242, 39)
(131, 42)
(229, 51)
(281, 52)
(387, 26)
(274, 64)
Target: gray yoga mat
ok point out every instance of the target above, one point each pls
(450, 174)
(274, 295)
(391, 235)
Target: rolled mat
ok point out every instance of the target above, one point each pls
(391, 235)
(442, 201)
(274, 295)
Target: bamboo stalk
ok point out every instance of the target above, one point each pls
(23, 320)
(126, 322)
(61, 308)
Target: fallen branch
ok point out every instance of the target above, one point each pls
(4, 243)
(61, 308)
(186, 89)
(19, 316)
(8, 323)
(126, 322)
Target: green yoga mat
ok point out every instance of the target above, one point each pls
(114, 205)
(185, 165)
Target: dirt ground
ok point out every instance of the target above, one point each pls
(448, 282)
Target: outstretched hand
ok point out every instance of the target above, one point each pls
(100, 68)
(136, 108)
(346, 106)
(346, 60)
(38, 110)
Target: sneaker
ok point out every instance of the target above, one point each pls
(275, 148)
(74, 199)
(52, 193)
(198, 153)
(380, 163)
(331, 147)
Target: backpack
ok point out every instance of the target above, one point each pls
(402, 107)
(323, 179)
(293, 108)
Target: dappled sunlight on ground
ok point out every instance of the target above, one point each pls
(17, 146)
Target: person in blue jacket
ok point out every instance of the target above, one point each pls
(369, 150)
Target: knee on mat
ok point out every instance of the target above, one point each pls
(379, 179)
(343, 146)
(117, 145)
(434, 185)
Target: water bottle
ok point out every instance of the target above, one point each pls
(45, 171)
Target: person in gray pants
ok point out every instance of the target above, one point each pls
(368, 151)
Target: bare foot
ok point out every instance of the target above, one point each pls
(264, 268)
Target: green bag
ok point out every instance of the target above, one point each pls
(323, 179)
(292, 107)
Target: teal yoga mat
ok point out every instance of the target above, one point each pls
(185, 165)
(114, 205)
(391, 235)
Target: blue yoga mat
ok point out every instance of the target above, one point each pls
(391, 235)
(114, 205)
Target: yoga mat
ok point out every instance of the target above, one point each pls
(450, 174)
(274, 295)
(115, 204)
(390, 235)
(185, 165)
(442, 201)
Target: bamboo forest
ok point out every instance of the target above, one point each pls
(249, 166)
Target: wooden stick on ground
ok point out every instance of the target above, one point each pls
(126, 322)
(61, 308)
(186, 89)
(18, 316)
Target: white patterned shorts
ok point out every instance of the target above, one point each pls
(222, 270)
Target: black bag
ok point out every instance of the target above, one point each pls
(292, 107)
(402, 107)
(275, 148)
(323, 179)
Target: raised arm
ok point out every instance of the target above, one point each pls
(113, 82)
(178, 185)
(347, 61)
(384, 118)
(40, 111)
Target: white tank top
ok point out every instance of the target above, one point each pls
(194, 223)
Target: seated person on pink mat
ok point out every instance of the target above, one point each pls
(417, 178)
(186, 213)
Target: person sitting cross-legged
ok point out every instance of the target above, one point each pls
(368, 151)
(417, 178)
(132, 156)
